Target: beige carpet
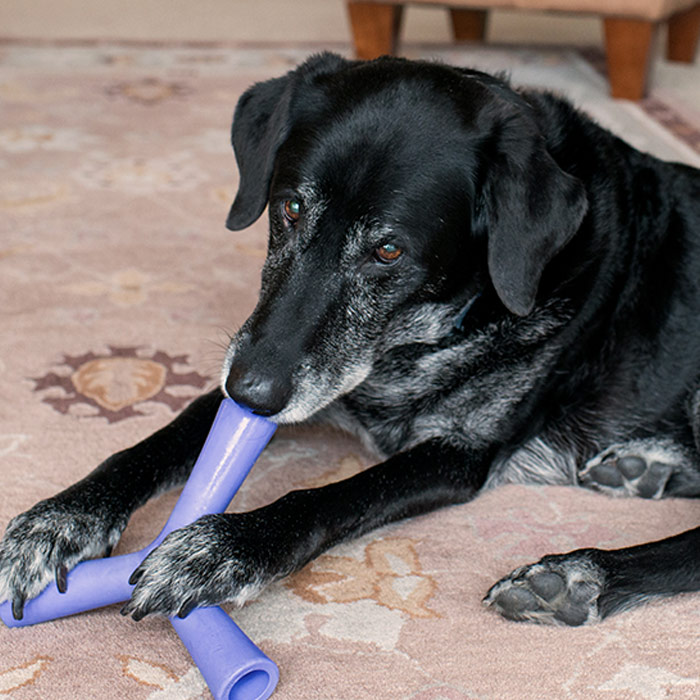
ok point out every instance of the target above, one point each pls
(117, 283)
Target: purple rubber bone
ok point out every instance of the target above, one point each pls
(233, 667)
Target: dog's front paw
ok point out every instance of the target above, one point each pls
(44, 543)
(216, 559)
(560, 589)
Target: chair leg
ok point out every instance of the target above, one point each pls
(468, 25)
(375, 28)
(628, 49)
(683, 32)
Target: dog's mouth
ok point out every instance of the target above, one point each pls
(273, 385)
(291, 400)
(284, 382)
(317, 390)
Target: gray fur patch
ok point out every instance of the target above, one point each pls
(537, 462)
(198, 564)
(315, 390)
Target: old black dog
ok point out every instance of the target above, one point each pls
(482, 284)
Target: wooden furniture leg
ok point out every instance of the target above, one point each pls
(375, 28)
(628, 48)
(683, 32)
(468, 25)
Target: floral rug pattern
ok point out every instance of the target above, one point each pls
(118, 288)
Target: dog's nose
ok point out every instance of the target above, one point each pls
(263, 395)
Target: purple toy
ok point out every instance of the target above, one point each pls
(233, 667)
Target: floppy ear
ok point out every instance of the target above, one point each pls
(533, 209)
(261, 123)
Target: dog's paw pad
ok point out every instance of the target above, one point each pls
(631, 470)
(605, 474)
(627, 476)
(547, 584)
(652, 482)
(631, 467)
(515, 600)
(559, 590)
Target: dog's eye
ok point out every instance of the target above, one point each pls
(292, 210)
(388, 253)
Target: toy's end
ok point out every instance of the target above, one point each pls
(233, 667)
(254, 685)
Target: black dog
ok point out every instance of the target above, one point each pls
(481, 283)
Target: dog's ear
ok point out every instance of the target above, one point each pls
(261, 123)
(532, 209)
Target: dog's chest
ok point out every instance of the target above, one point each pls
(416, 396)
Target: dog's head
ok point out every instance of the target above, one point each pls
(396, 191)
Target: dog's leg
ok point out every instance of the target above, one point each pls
(587, 585)
(87, 519)
(231, 557)
(650, 468)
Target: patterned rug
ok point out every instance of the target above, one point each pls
(118, 284)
